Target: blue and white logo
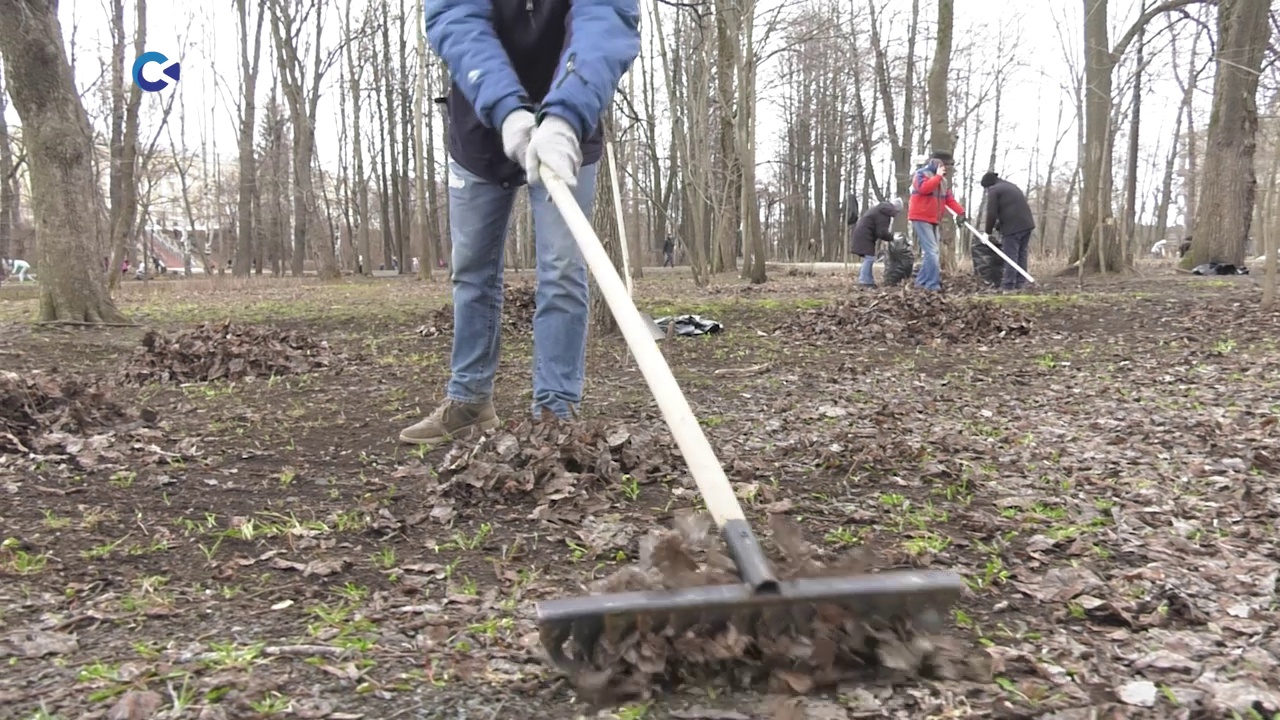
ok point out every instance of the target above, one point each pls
(146, 59)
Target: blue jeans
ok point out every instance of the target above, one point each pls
(478, 215)
(929, 276)
(865, 276)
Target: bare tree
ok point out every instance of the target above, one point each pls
(422, 220)
(1271, 203)
(1100, 248)
(8, 180)
(605, 222)
(125, 104)
(900, 135)
(355, 75)
(1184, 111)
(248, 121)
(393, 201)
(1135, 127)
(940, 135)
(301, 86)
(59, 144)
(1225, 211)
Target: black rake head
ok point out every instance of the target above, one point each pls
(581, 622)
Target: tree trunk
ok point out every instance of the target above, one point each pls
(355, 73)
(445, 237)
(302, 94)
(124, 146)
(900, 138)
(59, 144)
(1098, 246)
(1270, 238)
(407, 247)
(393, 148)
(726, 221)
(1166, 182)
(940, 137)
(753, 248)
(8, 218)
(248, 121)
(605, 222)
(1131, 162)
(422, 218)
(1225, 209)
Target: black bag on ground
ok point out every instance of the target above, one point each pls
(899, 263)
(986, 263)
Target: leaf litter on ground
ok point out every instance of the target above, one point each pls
(789, 650)
(1115, 478)
(567, 468)
(908, 316)
(226, 351)
(518, 304)
(39, 411)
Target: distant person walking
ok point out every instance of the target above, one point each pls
(669, 252)
(873, 226)
(1009, 212)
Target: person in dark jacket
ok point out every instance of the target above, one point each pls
(874, 225)
(669, 251)
(1009, 212)
(530, 82)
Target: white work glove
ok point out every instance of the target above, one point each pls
(517, 128)
(555, 145)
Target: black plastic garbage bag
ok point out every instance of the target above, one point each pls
(1214, 268)
(900, 262)
(690, 325)
(986, 263)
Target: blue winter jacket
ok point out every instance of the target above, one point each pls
(551, 57)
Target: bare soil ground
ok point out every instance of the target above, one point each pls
(215, 521)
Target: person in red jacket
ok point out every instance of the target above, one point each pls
(930, 198)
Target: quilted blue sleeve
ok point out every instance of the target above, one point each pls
(461, 33)
(604, 39)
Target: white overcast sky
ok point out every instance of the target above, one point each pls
(202, 35)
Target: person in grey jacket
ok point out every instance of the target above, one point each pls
(873, 225)
(1009, 212)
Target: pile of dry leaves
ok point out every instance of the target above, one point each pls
(552, 461)
(964, 283)
(223, 351)
(517, 313)
(909, 316)
(38, 411)
(790, 651)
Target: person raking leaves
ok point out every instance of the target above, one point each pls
(1009, 212)
(874, 225)
(930, 198)
(531, 82)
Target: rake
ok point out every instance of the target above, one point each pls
(576, 623)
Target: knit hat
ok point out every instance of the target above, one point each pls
(989, 179)
(896, 202)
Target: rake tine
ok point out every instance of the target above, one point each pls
(586, 633)
(553, 637)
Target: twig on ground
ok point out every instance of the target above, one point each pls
(742, 372)
(304, 650)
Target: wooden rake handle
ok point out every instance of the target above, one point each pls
(703, 464)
